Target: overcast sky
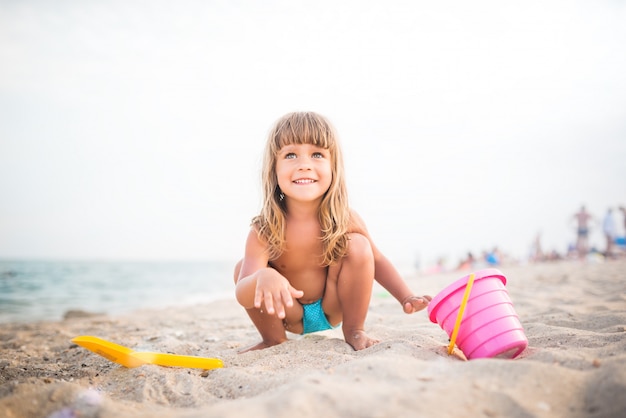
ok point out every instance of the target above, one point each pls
(134, 129)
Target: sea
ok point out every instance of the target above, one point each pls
(37, 290)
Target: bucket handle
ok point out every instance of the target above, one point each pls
(459, 316)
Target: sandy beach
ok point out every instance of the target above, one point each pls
(573, 313)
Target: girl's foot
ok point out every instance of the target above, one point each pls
(359, 340)
(259, 346)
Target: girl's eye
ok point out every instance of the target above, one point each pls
(290, 155)
(318, 155)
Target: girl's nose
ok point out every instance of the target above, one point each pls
(304, 164)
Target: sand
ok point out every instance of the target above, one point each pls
(573, 312)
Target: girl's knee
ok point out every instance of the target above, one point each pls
(360, 249)
(237, 270)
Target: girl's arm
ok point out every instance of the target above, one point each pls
(260, 285)
(388, 276)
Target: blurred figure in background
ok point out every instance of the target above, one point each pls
(467, 263)
(620, 239)
(536, 252)
(492, 258)
(583, 221)
(610, 232)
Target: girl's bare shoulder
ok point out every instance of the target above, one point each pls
(255, 238)
(357, 224)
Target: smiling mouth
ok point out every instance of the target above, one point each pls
(304, 181)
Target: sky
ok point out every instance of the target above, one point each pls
(134, 129)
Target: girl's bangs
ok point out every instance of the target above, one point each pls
(304, 130)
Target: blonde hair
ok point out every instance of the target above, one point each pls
(334, 212)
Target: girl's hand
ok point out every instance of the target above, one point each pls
(275, 292)
(414, 304)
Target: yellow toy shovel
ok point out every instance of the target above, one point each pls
(129, 358)
(459, 316)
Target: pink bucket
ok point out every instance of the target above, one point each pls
(490, 326)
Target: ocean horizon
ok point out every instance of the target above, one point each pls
(45, 290)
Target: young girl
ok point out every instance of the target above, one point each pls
(309, 261)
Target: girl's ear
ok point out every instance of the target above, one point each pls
(281, 195)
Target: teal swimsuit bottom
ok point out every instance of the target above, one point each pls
(314, 318)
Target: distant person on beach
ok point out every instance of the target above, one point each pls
(536, 252)
(467, 263)
(309, 261)
(583, 221)
(610, 232)
(493, 257)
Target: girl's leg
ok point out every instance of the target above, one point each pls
(271, 328)
(349, 290)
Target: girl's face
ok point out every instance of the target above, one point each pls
(304, 172)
